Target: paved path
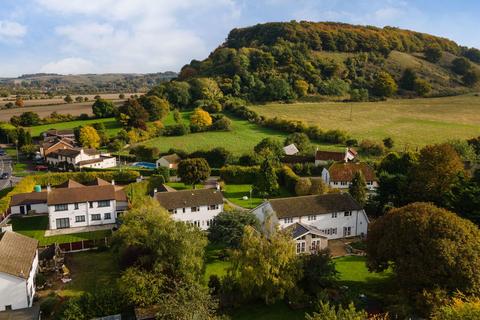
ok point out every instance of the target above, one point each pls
(49, 233)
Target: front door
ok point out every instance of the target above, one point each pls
(22, 209)
(63, 223)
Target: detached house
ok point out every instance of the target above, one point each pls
(335, 215)
(18, 268)
(53, 144)
(80, 158)
(197, 207)
(73, 204)
(170, 161)
(340, 175)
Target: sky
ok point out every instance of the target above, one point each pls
(146, 36)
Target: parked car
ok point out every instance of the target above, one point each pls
(5, 175)
(41, 168)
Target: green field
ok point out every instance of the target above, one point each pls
(35, 227)
(110, 124)
(410, 122)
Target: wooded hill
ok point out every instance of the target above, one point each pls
(285, 61)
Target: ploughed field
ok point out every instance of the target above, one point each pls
(410, 122)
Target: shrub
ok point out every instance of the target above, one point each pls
(371, 148)
(303, 186)
(239, 174)
(176, 130)
(289, 178)
(222, 124)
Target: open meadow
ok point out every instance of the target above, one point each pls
(410, 122)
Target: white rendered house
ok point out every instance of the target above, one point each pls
(81, 158)
(197, 207)
(73, 204)
(170, 161)
(336, 215)
(340, 175)
(18, 268)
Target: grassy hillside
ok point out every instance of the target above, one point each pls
(410, 122)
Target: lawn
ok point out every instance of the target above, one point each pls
(235, 193)
(91, 270)
(110, 124)
(35, 227)
(214, 264)
(410, 122)
(241, 139)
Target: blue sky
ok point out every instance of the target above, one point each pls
(98, 36)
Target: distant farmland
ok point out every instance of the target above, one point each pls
(410, 122)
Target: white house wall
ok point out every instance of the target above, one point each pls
(201, 218)
(38, 208)
(83, 210)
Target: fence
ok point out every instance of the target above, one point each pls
(83, 245)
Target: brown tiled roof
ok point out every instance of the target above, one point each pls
(91, 152)
(346, 171)
(189, 198)
(101, 182)
(54, 140)
(29, 198)
(17, 253)
(297, 159)
(172, 158)
(88, 193)
(121, 196)
(84, 162)
(329, 155)
(66, 152)
(70, 184)
(316, 204)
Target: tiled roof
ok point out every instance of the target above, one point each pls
(311, 205)
(28, 198)
(172, 158)
(346, 171)
(66, 152)
(189, 198)
(297, 159)
(329, 155)
(17, 253)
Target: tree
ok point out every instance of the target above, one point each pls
(29, 118)
(319, 272)
(68, 99)
(269, 146)
(205, 89)
(265, 267)
(193, 171)
(328, 312)
(471, 77)
(157, 108)
(222, 124)
(459, 308)
(200, 118)
(461, 66)
(384, 85)
(427, 247)
(267, 181)
(177, 117)
(422, 87)
(358, 188)
(433, 53)
(300, 139)
(303, 187)
(436, 171)
(318, 186)
(132, 114)
(407, 81)
(228, 227)
(156, 253)
(89, 137)
(178, 93)
(388, 143)
(103, 108)
(301, 88)
(19, 102)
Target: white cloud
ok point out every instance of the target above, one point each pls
(140, 35)
(10, 30)
(70, 65)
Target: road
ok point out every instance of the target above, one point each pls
(6, 166)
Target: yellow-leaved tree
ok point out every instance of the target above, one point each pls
(89, 137)
(200, 118)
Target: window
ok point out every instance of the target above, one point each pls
(348, 213)
(90, 204)
(334, 215)
(195, 209)
(107, 216)
(301, 246)
(104, 203)
(96, 217)
(369, 183)
(312, 217)
(347, 231)
(9, 307)
(76, 206)
(63, 223)
(344, 183)
(183, 210)
(213, 207)
(170, 211)
(79, 218)
(61, 207)
(288, 220)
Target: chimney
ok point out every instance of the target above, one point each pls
(346, 155)
(49, 188)
(113, 182)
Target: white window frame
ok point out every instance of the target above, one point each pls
(61, 207)
(96, 215)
